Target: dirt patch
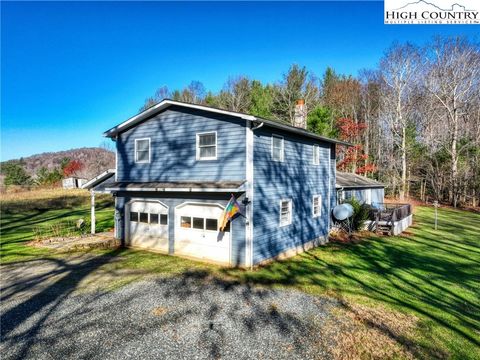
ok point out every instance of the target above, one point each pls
(88, 242)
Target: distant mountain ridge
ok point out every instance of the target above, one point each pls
(94, 159)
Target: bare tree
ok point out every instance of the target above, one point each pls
(236, 94)
(399, 73)
(161, 93)
(453, 81)
(194, 93)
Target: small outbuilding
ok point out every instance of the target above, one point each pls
(365, 190)
(73, 183)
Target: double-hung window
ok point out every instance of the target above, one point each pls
(207, 146)
(142, 150)
(277, 148)
(316, 205)
(316, 154)
(285, 212)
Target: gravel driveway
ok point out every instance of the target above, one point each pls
(190, 316)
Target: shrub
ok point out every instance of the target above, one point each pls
(361, 213)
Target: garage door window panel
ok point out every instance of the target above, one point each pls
(198, 223)
(154, 219)
(186, 222)
(211, 224)
(143, 217)
(163, 219)
(134, 216)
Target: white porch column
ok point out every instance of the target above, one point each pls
(92, 210)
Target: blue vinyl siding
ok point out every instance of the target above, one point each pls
(360, 194)
(295, 178)
(172, 200)
(378, 196)
(173, 148)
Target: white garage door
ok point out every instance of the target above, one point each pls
(197, 234)
(147, 225)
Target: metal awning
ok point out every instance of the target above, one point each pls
(179, 186)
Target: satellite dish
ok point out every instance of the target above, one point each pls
(342, 212)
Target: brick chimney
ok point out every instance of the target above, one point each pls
(300, 117)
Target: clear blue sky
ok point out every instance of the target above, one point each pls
(69, 71)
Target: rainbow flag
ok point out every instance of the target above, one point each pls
(232, 208)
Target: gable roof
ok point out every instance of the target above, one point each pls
(98, 179)
(349, 180)
(166, 103)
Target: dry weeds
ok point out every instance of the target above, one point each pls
(362, 332)
(44, 198)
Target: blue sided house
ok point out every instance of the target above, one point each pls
(178, 164)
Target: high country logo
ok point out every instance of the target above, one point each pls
(431, 12)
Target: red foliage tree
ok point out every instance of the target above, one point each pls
(353, 157)
(72, 167)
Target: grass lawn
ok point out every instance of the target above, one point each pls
(430, 275)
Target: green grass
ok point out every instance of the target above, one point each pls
(17, 227)
(431, 274)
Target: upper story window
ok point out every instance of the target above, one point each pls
(316, 154)
(285, 212)
(142, 150)
(277, 148)
(207, 146)
(317, 205)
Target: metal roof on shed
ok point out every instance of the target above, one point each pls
(349, 180)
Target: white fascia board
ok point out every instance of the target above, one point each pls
(98, 178)
(163, 105)
(175, 189)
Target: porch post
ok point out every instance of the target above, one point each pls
(92, 210)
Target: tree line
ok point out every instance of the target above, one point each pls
(15, 173)
(414, 119)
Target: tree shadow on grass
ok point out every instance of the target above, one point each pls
(390, 274)
(214, 313)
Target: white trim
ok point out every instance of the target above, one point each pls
(166, 103)
(226, 190)
(116, 158)
(316, 151)
(98, 178)
(198, 203)
(149, 151)
(319, 197)
(282, 159)
(197, 146)
(329, 215)
(249, 193)
(290, 210)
